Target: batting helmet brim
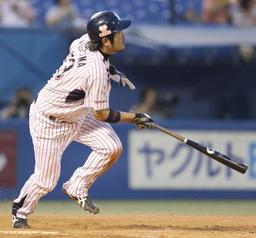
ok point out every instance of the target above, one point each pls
(124, 23)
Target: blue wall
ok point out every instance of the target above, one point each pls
(114, 184)
(28, 58)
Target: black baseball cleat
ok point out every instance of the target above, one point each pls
(19, 222)
(84, 202)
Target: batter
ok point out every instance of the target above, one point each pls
(74, 106)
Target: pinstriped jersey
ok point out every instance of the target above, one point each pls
(80, 84)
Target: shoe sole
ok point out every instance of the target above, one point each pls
(19, 225)
(75, 199)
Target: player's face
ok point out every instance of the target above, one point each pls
(118, 42)
(116, 45)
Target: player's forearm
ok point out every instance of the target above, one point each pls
(110, 115)
(127, 117)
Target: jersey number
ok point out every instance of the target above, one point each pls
(67, 65)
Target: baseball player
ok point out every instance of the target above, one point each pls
(74, 106)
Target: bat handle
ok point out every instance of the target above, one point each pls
(168, 132)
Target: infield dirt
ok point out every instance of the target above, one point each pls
(132, 226)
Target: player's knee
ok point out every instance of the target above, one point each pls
(115, 151)
(118, 150)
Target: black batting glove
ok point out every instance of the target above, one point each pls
(142, 121)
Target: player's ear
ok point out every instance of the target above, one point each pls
(106, 42)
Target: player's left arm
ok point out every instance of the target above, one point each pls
(120, 78)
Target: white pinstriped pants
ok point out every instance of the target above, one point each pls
(50, 139)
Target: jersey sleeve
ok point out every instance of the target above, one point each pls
(97, 89)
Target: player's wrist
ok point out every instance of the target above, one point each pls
(113, 116)
(127, 117)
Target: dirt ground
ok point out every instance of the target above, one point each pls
(132, 226)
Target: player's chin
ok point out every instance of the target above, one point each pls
(121, 48)
(122, 45)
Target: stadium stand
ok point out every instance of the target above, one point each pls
(182, 8)
(140, 11)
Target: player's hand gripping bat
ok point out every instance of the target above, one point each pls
(224, 159)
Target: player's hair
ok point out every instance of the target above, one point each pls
(95, 46)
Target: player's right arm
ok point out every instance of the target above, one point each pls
(141, 120)
(102, 112)
(97, 98)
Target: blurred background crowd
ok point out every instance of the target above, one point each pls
(190, 59)
(72, 13)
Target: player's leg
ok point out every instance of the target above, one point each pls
(48, 150)
(42, 181)
(106, 148)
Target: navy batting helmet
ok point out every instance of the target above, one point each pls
(105, 23)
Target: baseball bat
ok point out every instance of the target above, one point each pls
(224, 159)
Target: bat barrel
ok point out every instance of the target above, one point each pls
(240, 167)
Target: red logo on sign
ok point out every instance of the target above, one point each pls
(8, 143)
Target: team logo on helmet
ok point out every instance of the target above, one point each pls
(104, 30)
